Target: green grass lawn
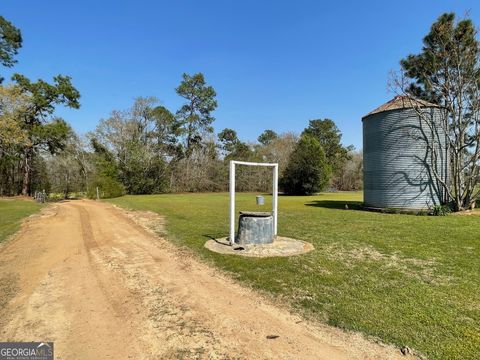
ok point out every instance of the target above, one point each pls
(405, 279)
(12, 211)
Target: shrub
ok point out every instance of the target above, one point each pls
(441, 210)
(108, 188)
(307, 171)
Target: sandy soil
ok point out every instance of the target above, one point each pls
(94, 280)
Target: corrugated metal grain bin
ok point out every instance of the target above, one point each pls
(397, 155)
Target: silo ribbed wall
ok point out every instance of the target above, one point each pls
(397, 162)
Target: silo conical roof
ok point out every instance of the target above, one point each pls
(401, 102)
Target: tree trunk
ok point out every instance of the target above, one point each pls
(26, 172)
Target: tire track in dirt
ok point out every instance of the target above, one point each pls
(101, 285)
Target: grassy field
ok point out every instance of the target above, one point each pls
(12, 211)
(405, 279)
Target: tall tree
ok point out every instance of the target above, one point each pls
(13, 105)
(267, 137)
(196, 114)
(71, 169)
(307, 171)
(13, 138)
(329, 136)
(167, 130)
(10, 42)
(136, 138)
(42, 131)
(447, 72)
(228, 139)
(233, 147)
(106, 173)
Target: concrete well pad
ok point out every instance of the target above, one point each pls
(282, 246)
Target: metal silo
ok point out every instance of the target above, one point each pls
(399, 148)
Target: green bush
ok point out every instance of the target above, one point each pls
(441, 210)
(107, 187)
(307, 171)
(55, 196)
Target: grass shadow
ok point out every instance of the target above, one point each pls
(336, 204)
(60, 201)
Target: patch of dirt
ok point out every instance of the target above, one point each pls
(92, 279)
(419, 268)
(8, 290)
(475, 212)
(149, 220)
(45, 212)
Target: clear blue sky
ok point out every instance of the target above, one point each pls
(273, 64)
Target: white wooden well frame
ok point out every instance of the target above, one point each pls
(232, 195)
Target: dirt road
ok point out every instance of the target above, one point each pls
(92, 279)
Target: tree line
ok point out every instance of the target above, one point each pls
(147, 148)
